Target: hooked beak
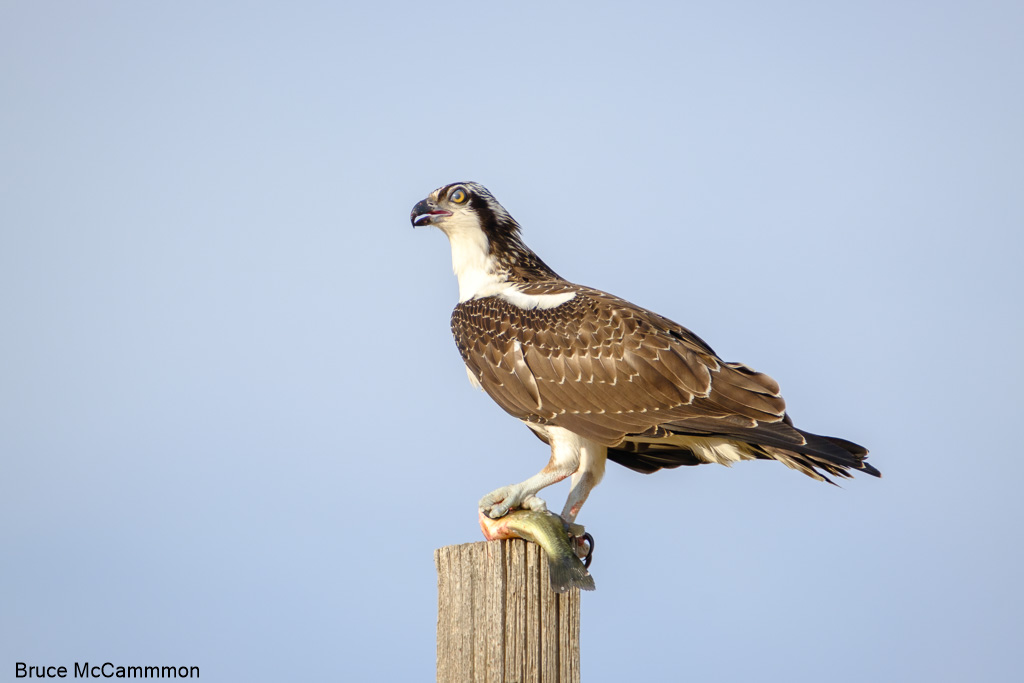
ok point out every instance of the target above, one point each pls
(426, 212)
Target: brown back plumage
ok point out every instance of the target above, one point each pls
(635, 381)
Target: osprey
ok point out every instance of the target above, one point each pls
(598, 378)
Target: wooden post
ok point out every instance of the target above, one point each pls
(498, 619)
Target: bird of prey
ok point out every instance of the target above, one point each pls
(597, 377)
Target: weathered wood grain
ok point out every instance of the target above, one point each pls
(498, 619)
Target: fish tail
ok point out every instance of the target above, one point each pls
(568, 572)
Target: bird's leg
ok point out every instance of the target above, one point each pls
(582, 483)
(588, 475)
(582, 543)
(497, 503)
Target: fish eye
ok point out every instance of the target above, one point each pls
(458, 196)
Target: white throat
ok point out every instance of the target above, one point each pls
(472, 263)
(478, 272)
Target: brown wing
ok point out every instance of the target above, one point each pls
(635, 381)
(604, 368)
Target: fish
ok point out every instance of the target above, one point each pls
(551, 533)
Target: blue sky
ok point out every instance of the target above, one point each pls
(233, 423)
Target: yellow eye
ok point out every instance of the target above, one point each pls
(458, 196)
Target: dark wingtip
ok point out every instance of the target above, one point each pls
(859, 454)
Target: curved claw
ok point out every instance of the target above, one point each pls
(581, 539)
(590, 550)
(500, 502)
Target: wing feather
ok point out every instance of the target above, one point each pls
(628, 378)
(625, 369)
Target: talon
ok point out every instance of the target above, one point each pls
(496, 511)
(499, 502)
(582, 544)
(590, 550)
(493, 504)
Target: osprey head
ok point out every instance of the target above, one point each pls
(461, 205)
(486, 247)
